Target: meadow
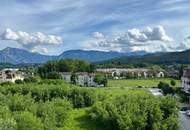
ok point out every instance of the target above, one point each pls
(151, 82)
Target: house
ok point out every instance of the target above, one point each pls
(160, 74)
(186, 80)
(10, 75)
(83, 78)
(135, 72)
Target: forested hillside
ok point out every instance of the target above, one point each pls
(157, 58)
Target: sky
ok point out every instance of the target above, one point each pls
(53, 26)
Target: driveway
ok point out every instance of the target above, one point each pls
(184, 121)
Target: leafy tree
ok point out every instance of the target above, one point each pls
(31, 79)
(28, 121)
(101, 79)
(172, 82)
(165, 88)
(7, 122)
(74, 78)
(53, 75)
(18, 81)
(67, 65)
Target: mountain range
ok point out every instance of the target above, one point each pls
(182, 57)
(20, 56)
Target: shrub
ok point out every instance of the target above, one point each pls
(21, 103)
(6, 83)
(7, 122)
(31, 80)
(101, 79)
(165, 88)
(18, 81)
(48, 116)
(136, 112)
(28, 121)
(172, 82)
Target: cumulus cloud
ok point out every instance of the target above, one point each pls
(30, 41)
(185, 44)
(135, 39)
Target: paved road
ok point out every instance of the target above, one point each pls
(184, 121)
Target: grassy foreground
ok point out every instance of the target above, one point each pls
(140, 82)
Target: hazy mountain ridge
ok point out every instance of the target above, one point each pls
(19, 56)
(182, 57)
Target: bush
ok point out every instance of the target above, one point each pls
(28, 121)
(53, 75)
(21, 103)
(6, 83)
(18, 81)
(7, 122)
(172, 82)
(101, 79)
(136, 112)
(31, 80)
(165, 87)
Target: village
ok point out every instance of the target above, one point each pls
(131, 78)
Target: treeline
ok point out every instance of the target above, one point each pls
(51, 68)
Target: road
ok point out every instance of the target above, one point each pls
(184, 121)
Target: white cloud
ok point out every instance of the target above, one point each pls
(30, 41)
(185, 44)
(41, 50)
(149, 39)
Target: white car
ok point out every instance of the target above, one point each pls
(188, 112)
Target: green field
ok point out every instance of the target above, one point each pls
(140, 82)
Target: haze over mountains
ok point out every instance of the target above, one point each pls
(19, 56)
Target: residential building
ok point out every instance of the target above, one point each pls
(136, 72)
(186, 80)
(83, 78)
(10, 75)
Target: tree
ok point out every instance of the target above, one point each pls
(31, 79)
(28, 121)
(101, 79)
(74, 78)
(54, 75)
(172, 82)
(165, 88)
(18, 81)
(7, 122)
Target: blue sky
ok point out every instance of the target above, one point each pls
(76, 21)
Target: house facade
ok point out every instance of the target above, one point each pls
(10, 75)
(83, 78)
(136, 72)
(186, 80)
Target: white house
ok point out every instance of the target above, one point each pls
(186, 80)
(83, 78)
(10, 75)
(160, 74)
(139, 72)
